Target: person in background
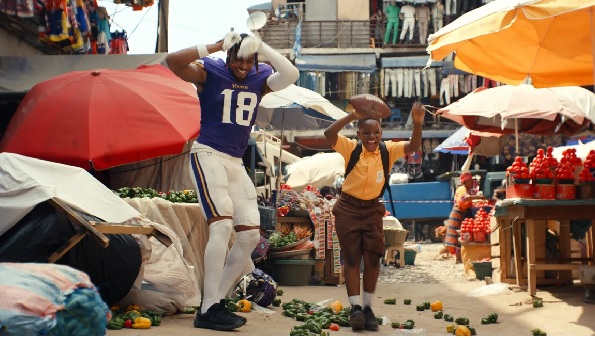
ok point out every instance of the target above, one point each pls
(328, 192)
(379, 20)
(229, 92)
(500, 192)
(462, 204)
(358, 211)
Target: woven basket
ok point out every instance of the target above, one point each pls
(394, 236)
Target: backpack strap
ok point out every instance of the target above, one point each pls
(354, 157)
(386, 166)
(384, 158)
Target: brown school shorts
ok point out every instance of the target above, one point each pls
(359, 227)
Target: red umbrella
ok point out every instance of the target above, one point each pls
(105, 118)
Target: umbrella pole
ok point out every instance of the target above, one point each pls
(280, 154)
(264, 140)
(516, 136)
(592, 16)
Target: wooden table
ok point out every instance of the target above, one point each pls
(97, 230)
(514, 215)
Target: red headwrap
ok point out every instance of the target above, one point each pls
(465, 177)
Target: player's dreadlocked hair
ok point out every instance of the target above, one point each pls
(232, 53)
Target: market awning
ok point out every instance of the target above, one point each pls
(365, 63)
(407, 62)
(20, 73)
(448, 68)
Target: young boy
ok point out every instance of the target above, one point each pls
(358, 211)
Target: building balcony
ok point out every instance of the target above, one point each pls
(318, 34)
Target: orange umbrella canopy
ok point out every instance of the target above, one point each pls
(105, 118)
(551, 41)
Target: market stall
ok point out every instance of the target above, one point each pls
(308, 218)
(545, 204)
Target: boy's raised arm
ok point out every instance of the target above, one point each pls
(333, 130)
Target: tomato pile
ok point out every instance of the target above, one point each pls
(569, 156)
(479, 227)
(590, 160)
(518, 170)
(564, 172)
(585, 175)
(540, 167)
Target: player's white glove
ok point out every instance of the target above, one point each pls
(249, 46)
(230, 39)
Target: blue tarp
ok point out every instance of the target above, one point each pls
(365, 63)
(407, 62)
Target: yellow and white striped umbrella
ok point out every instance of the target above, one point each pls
(550, 41)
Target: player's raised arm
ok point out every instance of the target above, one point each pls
(182, 61)
(286, 73)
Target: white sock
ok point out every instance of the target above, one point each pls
(355, 300)
(368, 299)
(219, 234)
(237, 259)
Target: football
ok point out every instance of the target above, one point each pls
(370, 106)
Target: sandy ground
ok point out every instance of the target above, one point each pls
(564, 312)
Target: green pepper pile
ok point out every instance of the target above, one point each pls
(277, 240)
(124, 319)
(186, 196)
(315, 319)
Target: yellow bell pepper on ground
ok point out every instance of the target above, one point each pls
(244, 305)
(336, 306)
(141, 323)
(450, 328)
(462, 330)
(436, 306)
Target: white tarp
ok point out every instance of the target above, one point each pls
(318, 170)
(26, 182)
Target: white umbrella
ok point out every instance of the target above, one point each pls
(296, 108)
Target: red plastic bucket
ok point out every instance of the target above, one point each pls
(519, 191)
(545, 191)
(565, 191)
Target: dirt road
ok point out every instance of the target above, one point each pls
(430, 279)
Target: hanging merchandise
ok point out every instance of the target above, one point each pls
(58, 22)
(20, 8)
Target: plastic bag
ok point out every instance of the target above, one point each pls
(411, 332)
(491, 290)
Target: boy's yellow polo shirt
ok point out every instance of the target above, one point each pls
(367, 177)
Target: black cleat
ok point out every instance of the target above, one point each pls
(217, 317)
(357, 320)
(371, 321)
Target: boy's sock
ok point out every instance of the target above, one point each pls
(368, 299)
(355, 300)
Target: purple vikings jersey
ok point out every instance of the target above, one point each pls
(228, 107)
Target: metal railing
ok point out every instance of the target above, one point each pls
(318, 34)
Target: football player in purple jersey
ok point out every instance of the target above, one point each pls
(229, 92)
